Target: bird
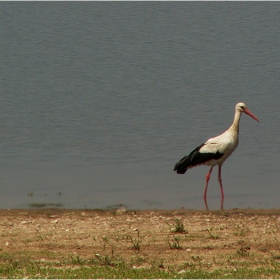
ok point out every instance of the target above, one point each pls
(215, 151)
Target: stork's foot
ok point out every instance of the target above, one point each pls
(206, 206)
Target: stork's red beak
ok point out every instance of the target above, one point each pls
(251, 114)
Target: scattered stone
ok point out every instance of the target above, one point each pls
(121, 211)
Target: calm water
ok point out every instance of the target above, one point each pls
(99, 100)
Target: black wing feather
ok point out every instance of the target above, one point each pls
(195, 158)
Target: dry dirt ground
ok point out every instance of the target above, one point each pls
(210, 240)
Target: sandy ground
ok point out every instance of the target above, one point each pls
(211, 240)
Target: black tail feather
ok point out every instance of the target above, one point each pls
(195, 158)
(182, 166)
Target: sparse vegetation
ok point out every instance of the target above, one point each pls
(100, 244)
(212, 233)
(178, 227)
(175, 243)
(136, 241)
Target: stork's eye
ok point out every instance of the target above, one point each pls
(242, 107)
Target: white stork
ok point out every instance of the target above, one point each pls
(215, 151)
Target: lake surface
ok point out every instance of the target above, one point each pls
(99, 100)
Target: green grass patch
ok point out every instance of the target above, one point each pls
(76, 267)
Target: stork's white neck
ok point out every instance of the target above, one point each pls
(235, 124)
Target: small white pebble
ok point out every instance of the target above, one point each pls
(121, 211)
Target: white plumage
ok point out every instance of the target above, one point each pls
(215, 150)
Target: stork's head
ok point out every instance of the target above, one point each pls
(241, 107)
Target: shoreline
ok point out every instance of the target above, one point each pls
(247, 211)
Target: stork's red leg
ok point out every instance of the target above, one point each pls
(206, 186)
(221, 186)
